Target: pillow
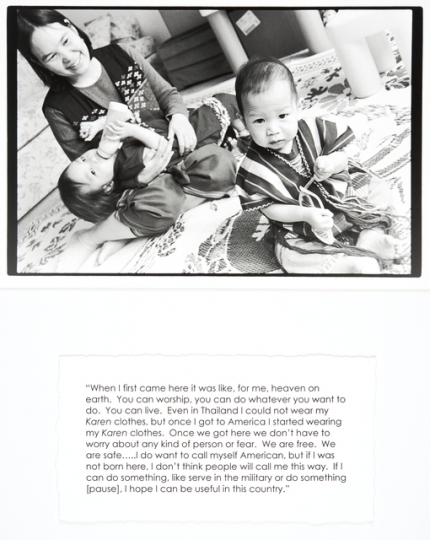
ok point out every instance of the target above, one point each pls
(124, 28)
(144, 46)
(98, 30)
(155, 61)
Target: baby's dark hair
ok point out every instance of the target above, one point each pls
(28, 19)
(258, 74)
(94, 207)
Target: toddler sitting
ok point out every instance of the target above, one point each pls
(297, 173)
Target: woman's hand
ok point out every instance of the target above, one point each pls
(155, 161)
(181, 128)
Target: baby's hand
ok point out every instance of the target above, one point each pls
(88, 130)
(155, 161)
(120, 130)
(323, 168)
(320, 219)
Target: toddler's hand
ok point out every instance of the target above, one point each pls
(120, 130)
(156, 161)
(320, 219)
(323, 167)
(88, 130)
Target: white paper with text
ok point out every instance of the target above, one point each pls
(216, 438)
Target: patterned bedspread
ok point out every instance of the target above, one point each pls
(217, 237)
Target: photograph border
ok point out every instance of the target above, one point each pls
(415, 164)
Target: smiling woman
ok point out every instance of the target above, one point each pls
(31, 22)
(63, 52)
(84, 81)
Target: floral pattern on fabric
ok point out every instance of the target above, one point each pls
(137, 92)
(95, 115)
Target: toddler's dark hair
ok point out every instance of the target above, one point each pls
(28, 20)
(257, 74)
(94, 207)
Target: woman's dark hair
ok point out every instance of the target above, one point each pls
(93, 207)
(257, 74)
(28, 20)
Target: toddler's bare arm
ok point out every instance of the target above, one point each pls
(88, 130)
(147, 137)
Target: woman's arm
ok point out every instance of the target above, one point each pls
(67, 137)
(171, 102)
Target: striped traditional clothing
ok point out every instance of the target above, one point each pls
(265, 178)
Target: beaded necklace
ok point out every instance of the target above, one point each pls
(306, 174)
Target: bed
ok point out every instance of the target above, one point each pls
(216, 237)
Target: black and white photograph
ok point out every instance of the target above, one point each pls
(168, 168)
(269, 142)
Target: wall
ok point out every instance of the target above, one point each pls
(181, 20)
(277, 34)
(150, 20)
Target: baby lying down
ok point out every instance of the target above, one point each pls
(132, 194)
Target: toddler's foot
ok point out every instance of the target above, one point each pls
(356, 265)
(375, 240)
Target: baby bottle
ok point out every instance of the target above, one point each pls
(107, 146)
